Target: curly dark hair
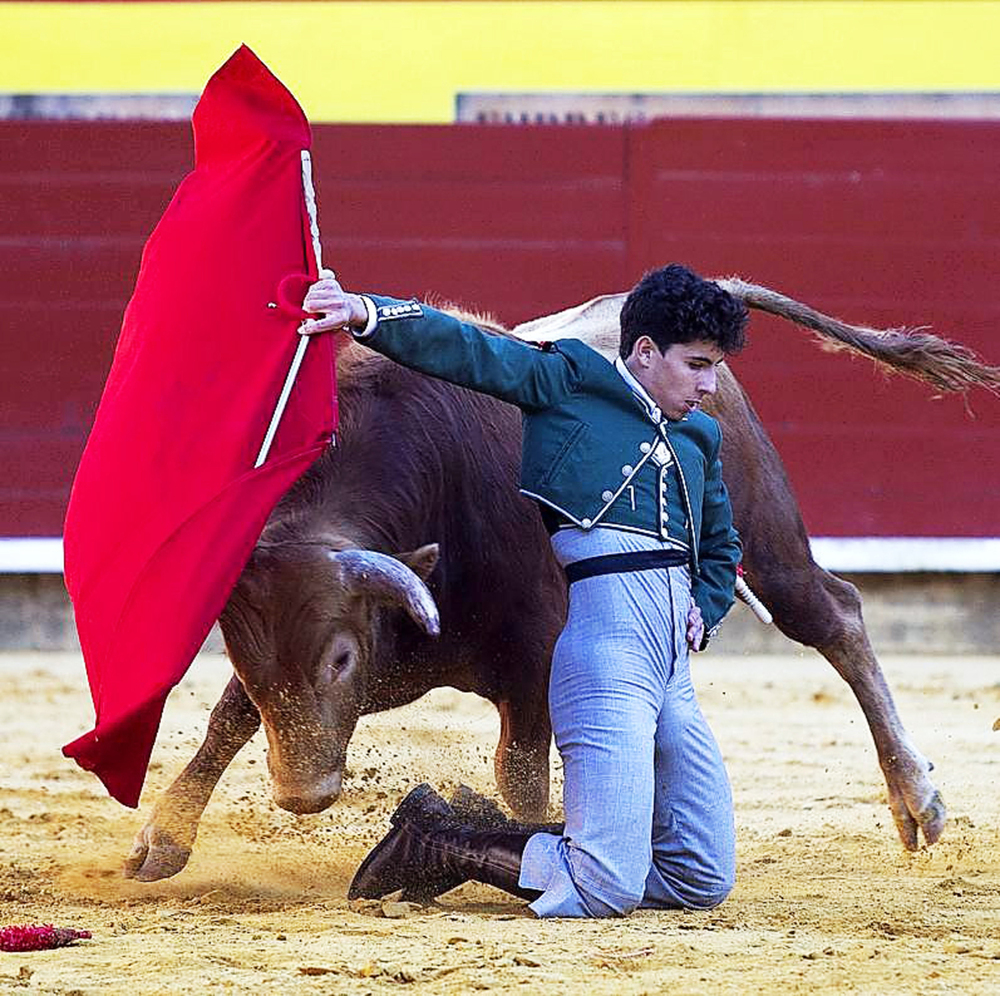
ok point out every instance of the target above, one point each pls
(673, 305)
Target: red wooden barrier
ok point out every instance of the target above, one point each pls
(886, 223)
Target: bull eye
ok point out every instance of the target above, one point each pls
(341, 660)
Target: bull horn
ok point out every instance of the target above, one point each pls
(387, 579)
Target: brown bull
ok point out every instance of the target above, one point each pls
(323, 627)
(332, 618)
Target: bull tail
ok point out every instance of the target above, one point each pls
(912, 352)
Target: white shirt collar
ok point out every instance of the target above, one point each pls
(641, 394)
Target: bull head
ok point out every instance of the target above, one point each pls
(303, 628)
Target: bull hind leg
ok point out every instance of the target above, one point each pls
(820, 610)
(162, 847)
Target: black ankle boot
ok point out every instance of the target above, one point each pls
(432, 855)
(424, 806)
(468, 807)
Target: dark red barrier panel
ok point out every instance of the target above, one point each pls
(79, 200)
(516, 221)
(885, 223)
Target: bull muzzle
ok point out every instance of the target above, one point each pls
(312, 796)
(305, 767)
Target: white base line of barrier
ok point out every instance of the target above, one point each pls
(860, 555)
(904, 554)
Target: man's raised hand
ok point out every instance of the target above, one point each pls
(336, 307)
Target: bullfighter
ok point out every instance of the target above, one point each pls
(625, 469)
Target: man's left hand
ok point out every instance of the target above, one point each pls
(696, 627)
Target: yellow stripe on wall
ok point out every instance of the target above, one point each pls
(398, 61)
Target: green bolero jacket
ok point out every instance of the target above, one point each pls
(591, 451)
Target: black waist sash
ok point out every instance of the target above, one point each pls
(621, 563)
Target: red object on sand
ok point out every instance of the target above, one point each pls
(166, 506)
(38, 937)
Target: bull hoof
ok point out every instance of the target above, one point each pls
(916, 805)
(155, 855)
(484, 814)
(479, 811)
(911, 821)
(933, 818)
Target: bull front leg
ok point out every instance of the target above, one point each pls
(521, 762)
(162, 847)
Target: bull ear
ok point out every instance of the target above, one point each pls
(423, 561)
(386, 579)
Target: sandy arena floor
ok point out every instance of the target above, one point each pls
(827, 900)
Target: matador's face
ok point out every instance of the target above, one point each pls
(681, 377)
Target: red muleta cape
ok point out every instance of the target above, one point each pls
(166, 506)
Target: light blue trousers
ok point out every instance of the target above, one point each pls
(649, 813)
